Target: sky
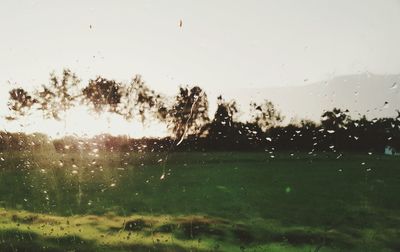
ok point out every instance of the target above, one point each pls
(221, 45)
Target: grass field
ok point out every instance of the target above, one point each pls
(222, 201)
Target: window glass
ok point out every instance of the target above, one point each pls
(200, 125)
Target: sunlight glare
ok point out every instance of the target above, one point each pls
(81, 122)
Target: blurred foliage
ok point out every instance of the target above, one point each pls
(139, 100)
(102, 95)
(265, 115)
(20, 102)
(59, 95)
(188, 113)
(187, 118)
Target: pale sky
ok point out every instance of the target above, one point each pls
(222, 44)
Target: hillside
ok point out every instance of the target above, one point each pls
(369, 94)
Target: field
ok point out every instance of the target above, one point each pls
(222, 201)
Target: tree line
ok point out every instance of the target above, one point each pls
(187, 118)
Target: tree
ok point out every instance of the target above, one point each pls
(189, 112)
(307, 124)
(59, 95)
(335, 119)
(20, 102)
(139, 100)
(102, 95)
(53, 100)
(265, 115)
(222, 125)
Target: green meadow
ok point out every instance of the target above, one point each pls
(211, 201)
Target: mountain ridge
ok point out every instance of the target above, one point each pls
(366, 94)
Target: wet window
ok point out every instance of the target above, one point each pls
(200, 126)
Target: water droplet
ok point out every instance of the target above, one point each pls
(394, 86)
(386, 105)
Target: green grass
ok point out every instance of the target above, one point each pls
(204, 202)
